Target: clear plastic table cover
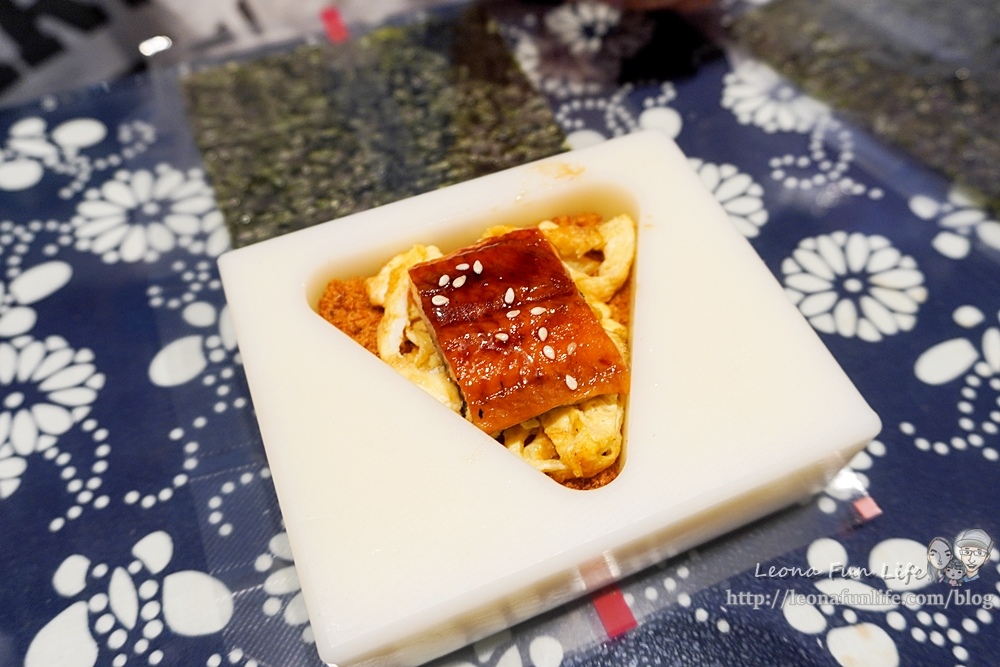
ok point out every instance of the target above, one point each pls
(137, 521)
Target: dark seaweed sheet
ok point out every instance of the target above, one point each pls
(923, 75)
(302, 136)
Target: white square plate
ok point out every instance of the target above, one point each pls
(413, 532)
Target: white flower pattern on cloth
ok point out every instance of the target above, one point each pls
(282, 586)
(823, 169)
(543, 651)
(532, 62)
(138, 216)
(184, 359)
(962, 219)
(757, 95)
(27, 288)
(130, 610)
(31, 149)
(582, 26)
(946, 361)
(578, 48)
(977, 356)
(854, 285)
(739, 195)
(47, 387)
(857, 631)
(576, 117)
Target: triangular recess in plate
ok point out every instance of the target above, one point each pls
(413, 532)
(537, 333)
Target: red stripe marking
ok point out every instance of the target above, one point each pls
(867, 508)
(336, 31)
(613, 611)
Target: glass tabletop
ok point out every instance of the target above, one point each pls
(138, 523)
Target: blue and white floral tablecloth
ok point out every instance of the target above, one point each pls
(138, 524)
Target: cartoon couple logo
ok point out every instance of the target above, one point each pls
(957, 566)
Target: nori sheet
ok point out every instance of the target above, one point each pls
(922, 74)
(297, 137)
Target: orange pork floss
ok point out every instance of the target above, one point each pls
(514, 331)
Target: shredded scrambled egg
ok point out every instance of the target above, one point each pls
(573, 441)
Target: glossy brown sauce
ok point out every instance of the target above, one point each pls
(518, 337)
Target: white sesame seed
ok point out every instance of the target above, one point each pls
(537, 310)
(571, 382)
(508, 296)
(549, 352)
(477, 267)
(511, 314)
(571, 348)
(543, 333)
(458, 281)
(462, 267)
(501, 336)
(443, 280)
(439, 300)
